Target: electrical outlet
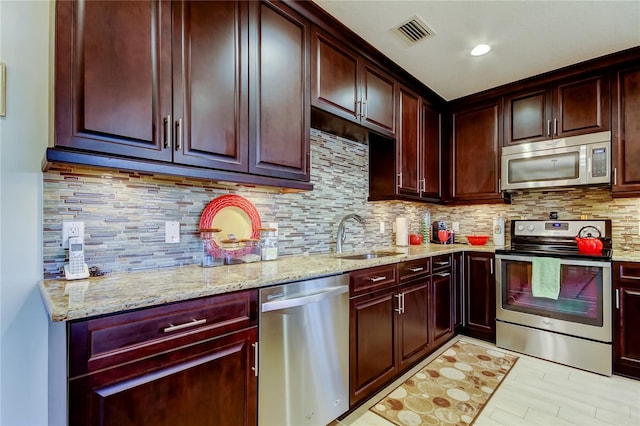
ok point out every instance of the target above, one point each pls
(639, 228)
(456, 227)
(171, 232)
(71, 229)
(381, 227)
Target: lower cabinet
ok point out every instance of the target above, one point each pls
(442, 300)
(372, 330)
(188, 363)
(480, 296)
(626, 317)
(398, 315)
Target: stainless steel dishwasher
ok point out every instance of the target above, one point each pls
(303, 355)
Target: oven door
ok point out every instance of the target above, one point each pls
(582, 309)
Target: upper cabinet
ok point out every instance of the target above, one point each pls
(418, 148)
(564, 109)
(219, 85)
(113, 77)
(348, 86)
(476, 136)
(626, 132)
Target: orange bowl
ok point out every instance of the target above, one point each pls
(477, 240)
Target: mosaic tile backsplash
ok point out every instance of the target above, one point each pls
(124, 213)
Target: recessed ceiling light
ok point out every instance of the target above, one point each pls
(480, 49)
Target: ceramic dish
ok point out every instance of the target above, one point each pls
(237, 218)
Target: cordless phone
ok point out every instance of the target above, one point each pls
(76, 268)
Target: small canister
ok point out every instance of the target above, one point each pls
(210, 252)
(269, 243)
(251, 250)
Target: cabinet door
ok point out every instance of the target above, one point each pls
(379, 96)
(582, 107)
(413, 323)
(113, 77)
(458, 287)
(334, 78)
(626, 340)
(442, 307)
(408, 148)
(210, 66)
(475, 153)
(280, 105)
(372, 354)
(430, 154)
(210, 383)
(626, 134)
(527, 117)
(480, 297)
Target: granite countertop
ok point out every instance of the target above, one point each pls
(117, 292)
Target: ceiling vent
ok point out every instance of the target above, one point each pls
(415, 30)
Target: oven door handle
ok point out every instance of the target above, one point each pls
(527, 258)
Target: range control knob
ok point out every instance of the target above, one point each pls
(520, 228)
(530, 228)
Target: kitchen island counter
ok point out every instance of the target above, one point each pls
(123, 291)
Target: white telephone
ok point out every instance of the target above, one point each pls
(76, 269)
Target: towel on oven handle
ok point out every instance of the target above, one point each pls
(545, 277)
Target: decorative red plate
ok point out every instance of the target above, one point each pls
(238, 219)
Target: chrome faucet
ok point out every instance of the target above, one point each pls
(342, 235)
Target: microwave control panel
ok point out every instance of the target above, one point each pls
(599, 160)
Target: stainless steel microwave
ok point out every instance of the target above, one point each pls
(577, 160)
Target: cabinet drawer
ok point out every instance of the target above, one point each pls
(104, 342)
(443, 261)
(628, 272)
(412, 269)
(371, 279)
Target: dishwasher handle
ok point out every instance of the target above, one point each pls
(293, 302)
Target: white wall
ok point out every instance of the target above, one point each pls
(24, 47)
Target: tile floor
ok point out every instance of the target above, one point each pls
(537, 392)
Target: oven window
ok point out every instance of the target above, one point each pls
(580, 298)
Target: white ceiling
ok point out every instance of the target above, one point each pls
(528, 37)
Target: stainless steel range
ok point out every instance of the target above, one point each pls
(554, 302)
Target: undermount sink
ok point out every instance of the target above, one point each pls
(369, 255)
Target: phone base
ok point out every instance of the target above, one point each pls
(77, 276)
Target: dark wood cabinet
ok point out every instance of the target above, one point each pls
(458, 288)
(372, 353)
(348, 86)
(626, 132)
(480, 296)
(399, 315)
(408, 143)
(569, 108)
(113, 77)
(626, 316)
(159, 366)
(418, 148)
(187, 83)
(441, 300)
(280, 105)
(414, 327)
(475, 152)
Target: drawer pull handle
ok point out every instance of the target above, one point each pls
(376, 279)
(192, 323)
(442, 263)
(418, 269)
(443, 274)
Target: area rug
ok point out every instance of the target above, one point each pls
(451, 390)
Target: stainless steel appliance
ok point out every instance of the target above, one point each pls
(573, 326)
(304, 352)
(577, 160)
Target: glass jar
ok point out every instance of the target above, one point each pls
(211, 255)
(251, 250)
(269, 243)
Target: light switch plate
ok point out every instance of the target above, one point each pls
(171, 232)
